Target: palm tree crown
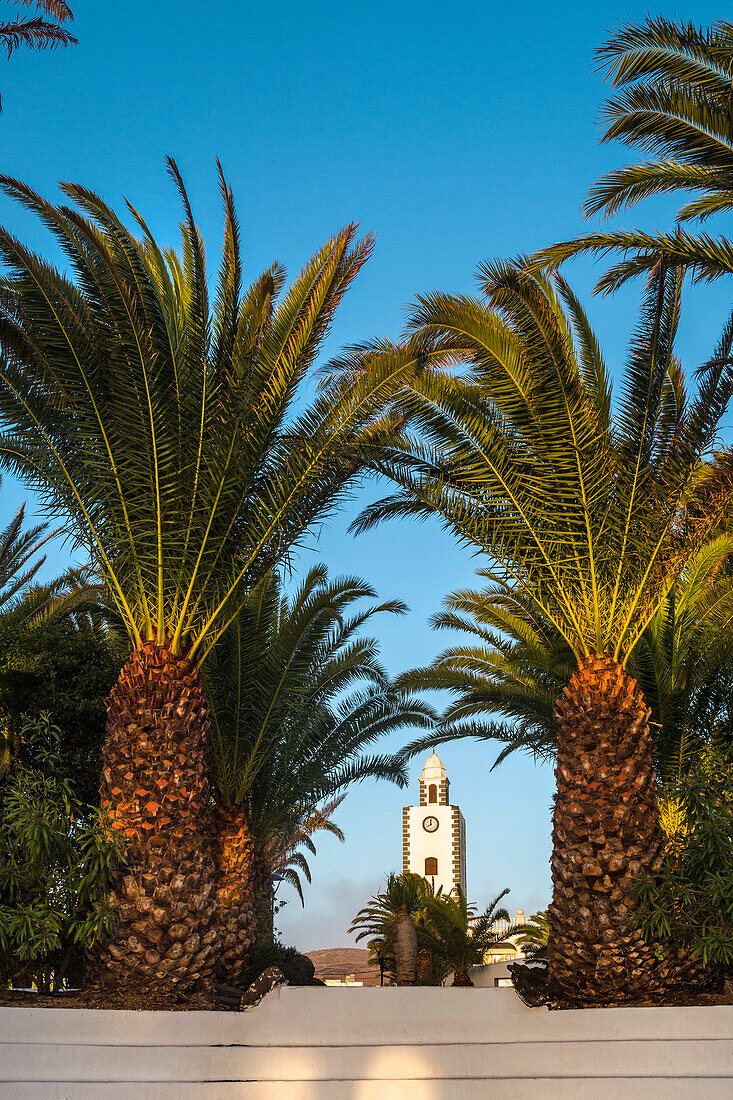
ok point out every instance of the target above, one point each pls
(161, 424)
(457, 936)
(297, 695)
(507, 677)
(590, 515)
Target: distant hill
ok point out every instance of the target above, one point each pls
(338, 962)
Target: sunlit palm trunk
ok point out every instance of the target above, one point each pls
(233, 855)
(606, 831)
(155, 789)
(404, 938)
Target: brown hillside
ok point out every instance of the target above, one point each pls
(338, 962)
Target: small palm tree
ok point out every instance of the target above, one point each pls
(380, 955)
(297, 695)
(590, 516)
(163, 427)
(392, 916)
(457, 937)
(533, 940)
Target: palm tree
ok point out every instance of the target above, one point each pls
(592, 518)
(457, 937)
(535, 935)
(297, 696)
(674, 102)
(517, 663)
(392, 916)
(505, 679)
(380, 954)
(163, 428)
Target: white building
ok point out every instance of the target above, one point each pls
(434, 833)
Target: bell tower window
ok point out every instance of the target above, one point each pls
(432, 793)
(431, 866)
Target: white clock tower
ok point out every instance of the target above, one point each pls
(434, 833)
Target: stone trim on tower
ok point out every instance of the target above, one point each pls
(456, 847)
(405, 839)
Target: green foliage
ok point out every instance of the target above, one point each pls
(57, 861)
(690, 900)
(456, 935)
(674, 102)
(66, 669)
(172, 431)
(298, 695)
(298, 969)
(507, 677)
(403, 894)
(589, 515)
(533, 940)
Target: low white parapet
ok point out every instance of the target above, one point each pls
(369, 1044)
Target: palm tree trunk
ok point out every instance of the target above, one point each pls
(264, 896)
(233, 856)
(462, 979)
(424, 964)
(155, 789)
(404, 940)
(605, 832)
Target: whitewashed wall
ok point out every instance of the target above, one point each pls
(369, 1044)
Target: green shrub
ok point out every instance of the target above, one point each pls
(297, 968)
(690, 900)
(57, 860)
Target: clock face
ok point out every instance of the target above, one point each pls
(430, 824)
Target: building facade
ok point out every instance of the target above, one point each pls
(434, 833)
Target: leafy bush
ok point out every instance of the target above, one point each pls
(690, 900)
(57, 860)
(298, 969)
(67, 671)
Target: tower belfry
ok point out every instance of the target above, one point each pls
(434, 833)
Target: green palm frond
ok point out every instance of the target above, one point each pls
(298, 696)
(38, 33)
(457, 937)
(674, 82)
(172, 430)
(407, 893)
(674, 102)
(517, 457)
(505, 690)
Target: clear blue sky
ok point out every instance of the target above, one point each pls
(456, 132)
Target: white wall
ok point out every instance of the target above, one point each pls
(369, 1044)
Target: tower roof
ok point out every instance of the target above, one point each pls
(434, 768)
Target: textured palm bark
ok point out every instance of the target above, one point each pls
(461, 978)
(233, 856)
(155, 789)
(263, 893)
(424, 965)
(404, 942)
(605, 832)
